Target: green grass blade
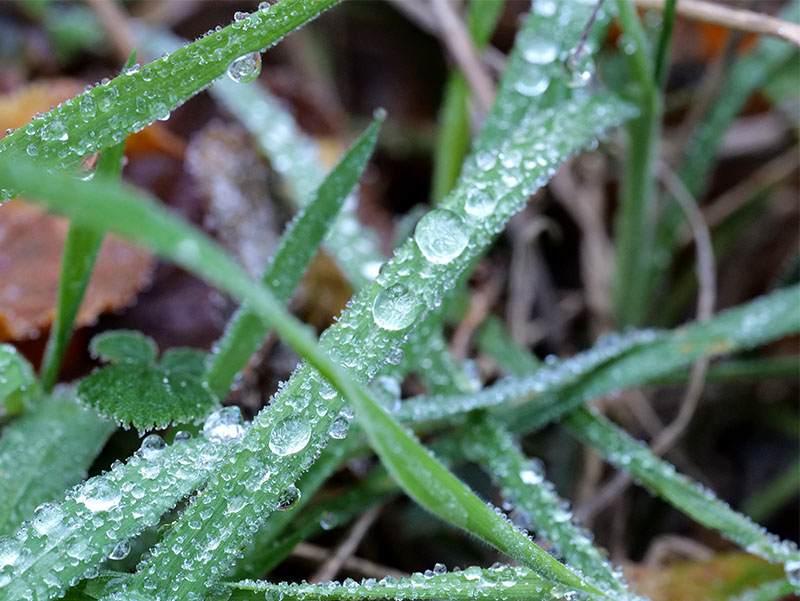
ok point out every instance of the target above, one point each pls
(633, 234)
(80, 253)
(501, 582)
(743, 369)
(522, 481)
(696, 501)
(298, 246)
(452, 138)
(106, 114)
(616, 363)
(43, 452)
(493, 340)
(774, 494)
(65, 541)
(770, 591)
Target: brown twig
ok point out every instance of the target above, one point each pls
(357, 565)
(345, 550)
(480, 303)
(114, 21)
(459, 44)
(732, 18)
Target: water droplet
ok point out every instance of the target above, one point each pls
(792, 569)
(46, 517)
(545, 8)
(580, 70)
(9, 551)
(240, 16)
(120, 550)
(98, 495)
(485, 160)
(439, 569)
(32, 150)
(54, 130)
(540, 51)
(339, 427)
(151, 446)
(480, 203)
(328, 521)
(534, 85)
(395, 356)
(224, 425)
(396, 308)
(245, 68)
(289, 435)
(289, 498)
(441, 235)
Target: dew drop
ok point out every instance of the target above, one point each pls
(792, 569)
(396, 308)
(151, 446)
(224, 425)
(46, 517)
(534, 85)
(54, 130)
(289, 436)
(485, 160)
(580, 70)
(441, 236)
(98, 495)
(289, 498)
(339, 428)
(9, 551)
(480, 203)
(32, 150)
(328, 521)
(540, 51)
(545, 8)
(245, 68)
(120, 550)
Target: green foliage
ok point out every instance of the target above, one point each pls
(134, 391)
(16, 379)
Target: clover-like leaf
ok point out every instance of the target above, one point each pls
(144, 396)
(16, 378)
(189, 362)
(124, 346)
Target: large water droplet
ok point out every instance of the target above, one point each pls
(540, 51)
(98, 495)
(224, 425)
(54, 130)
(289, 435)
(289, 498)
(480, 203)
(151, 446)
(9, 551)
(245, 68)
(339, 427)
(792, 569)
(396, 308)
(120, 550)
(580, 70)
(533, 85)
(441, 235)
(47, 517)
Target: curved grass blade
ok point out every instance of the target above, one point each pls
(41, 455)
(616, 363)
(523, 483)
(501, 582)
(80, 253)
(298, 246)
(106, 114)
(696, 501)
(65, 541)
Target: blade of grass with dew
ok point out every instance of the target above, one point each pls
(770, 591)
(501, 582)
(66, 541)
(133, 218)
(41, 455)
(597, 111)
(742, 369)
(618, 362)
(106, 114)
(452, 138)
(17, 381)
(298, 246)
(77, 262)
(294, 156)
(635, 219)
(696, 501)
(523, 484)
(493, 341)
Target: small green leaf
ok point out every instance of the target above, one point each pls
(16, 378)
(124, 346)
(146, 397)
(187, 361)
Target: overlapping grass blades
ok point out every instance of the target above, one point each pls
(106, 114)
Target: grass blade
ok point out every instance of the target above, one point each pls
(771, 591)
(501, 582)
(658, 476)
(41, 456)
(298, 246)
(66, 541)
(489, 443)
(17, 380)
(106, 114)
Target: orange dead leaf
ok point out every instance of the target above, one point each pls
(31, 245)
